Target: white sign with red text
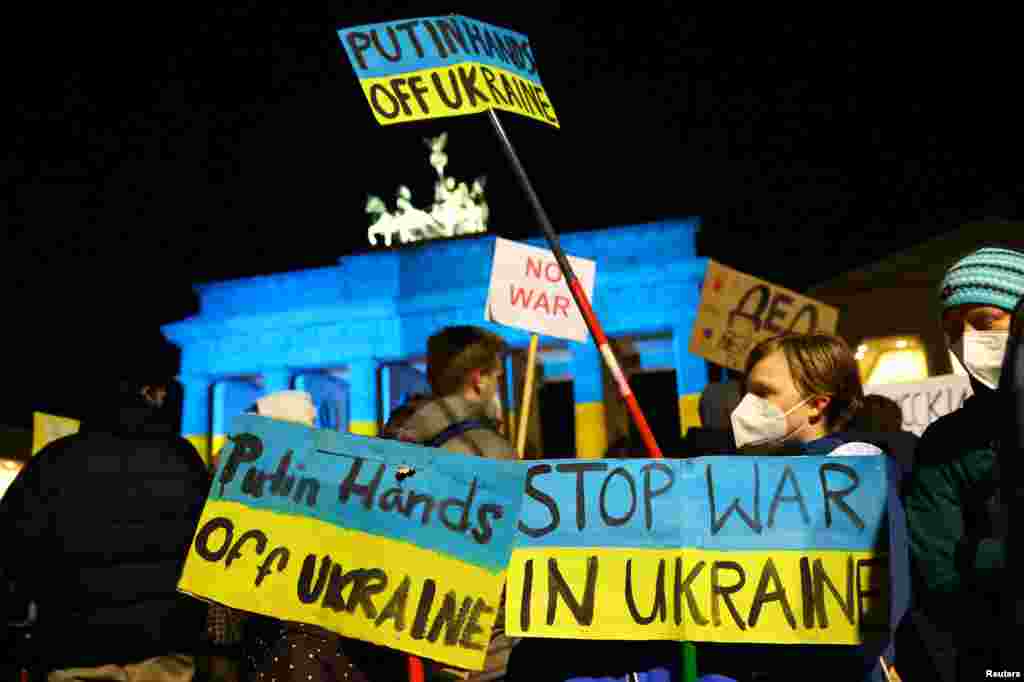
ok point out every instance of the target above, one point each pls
(528, 291)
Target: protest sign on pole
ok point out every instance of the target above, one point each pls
(388, 542)
(524, 407)
(432, 67)
(738, 310)
(386, 64)
(922, 402)
(527, 290)
(721, 549)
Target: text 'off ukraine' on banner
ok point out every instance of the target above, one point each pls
(388, 542)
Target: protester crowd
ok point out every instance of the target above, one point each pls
(97, 525)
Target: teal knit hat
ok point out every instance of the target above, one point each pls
(989, 276)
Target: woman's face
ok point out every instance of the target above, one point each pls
(980, 318)
(772, 380)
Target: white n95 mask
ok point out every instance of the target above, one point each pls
(757, 421)
(981, 354)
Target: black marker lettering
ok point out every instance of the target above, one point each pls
(358, 43)
(376, 91)
(581, 468)
(762, 596)
(397, 56)
(753, 523)
(473, 626)
(757, 313)
(544, 499)
(777, 310)
(395, 608)
(583, 611)
(602, 505)
(483, 534)
(489, 77)
(447, 620)
(455, 102)
(203, 538)
(838, 495)
(468, 80)
(419, 625)
(308, 593)
(720, 592)
(408, 27)
(367, 492)
(659, 608)
(245, 448)
(685, 587)
(787, 475)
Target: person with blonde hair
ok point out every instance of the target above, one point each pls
(801, 392)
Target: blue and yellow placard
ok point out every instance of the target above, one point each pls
(434, 67)
(387, 542)
(781, 550)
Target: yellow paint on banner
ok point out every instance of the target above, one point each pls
(591, 432)
(362, 428)
(208, 449)
(201, 442)
(376, 589)
(457, 90)
(774, 596)
(689, 411)
(47, 428)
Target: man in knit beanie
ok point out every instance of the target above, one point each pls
(957, 523)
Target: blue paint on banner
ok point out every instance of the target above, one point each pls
(462, 506)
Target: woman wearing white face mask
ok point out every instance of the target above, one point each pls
(802, 390)
(957, 524)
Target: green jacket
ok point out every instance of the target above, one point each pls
(956, 525)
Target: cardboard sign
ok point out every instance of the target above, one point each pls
(445, 66)
(785, 550)
(925, 401)
(387, 542)
(528, 291)
(739, 310)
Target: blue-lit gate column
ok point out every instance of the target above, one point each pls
(691, 372)
(588, 396)
(363, 394)
(195, 418)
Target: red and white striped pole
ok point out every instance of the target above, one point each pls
(600, 340)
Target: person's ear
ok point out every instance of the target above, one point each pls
(817, 407)
(475, 380)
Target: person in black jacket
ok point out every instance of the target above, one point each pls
(96, 530)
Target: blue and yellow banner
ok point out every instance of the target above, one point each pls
(779, 550)
(383, 541)
(434, 67)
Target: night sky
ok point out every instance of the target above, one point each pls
(154, 149)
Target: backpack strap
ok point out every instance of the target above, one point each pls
(455, 430)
